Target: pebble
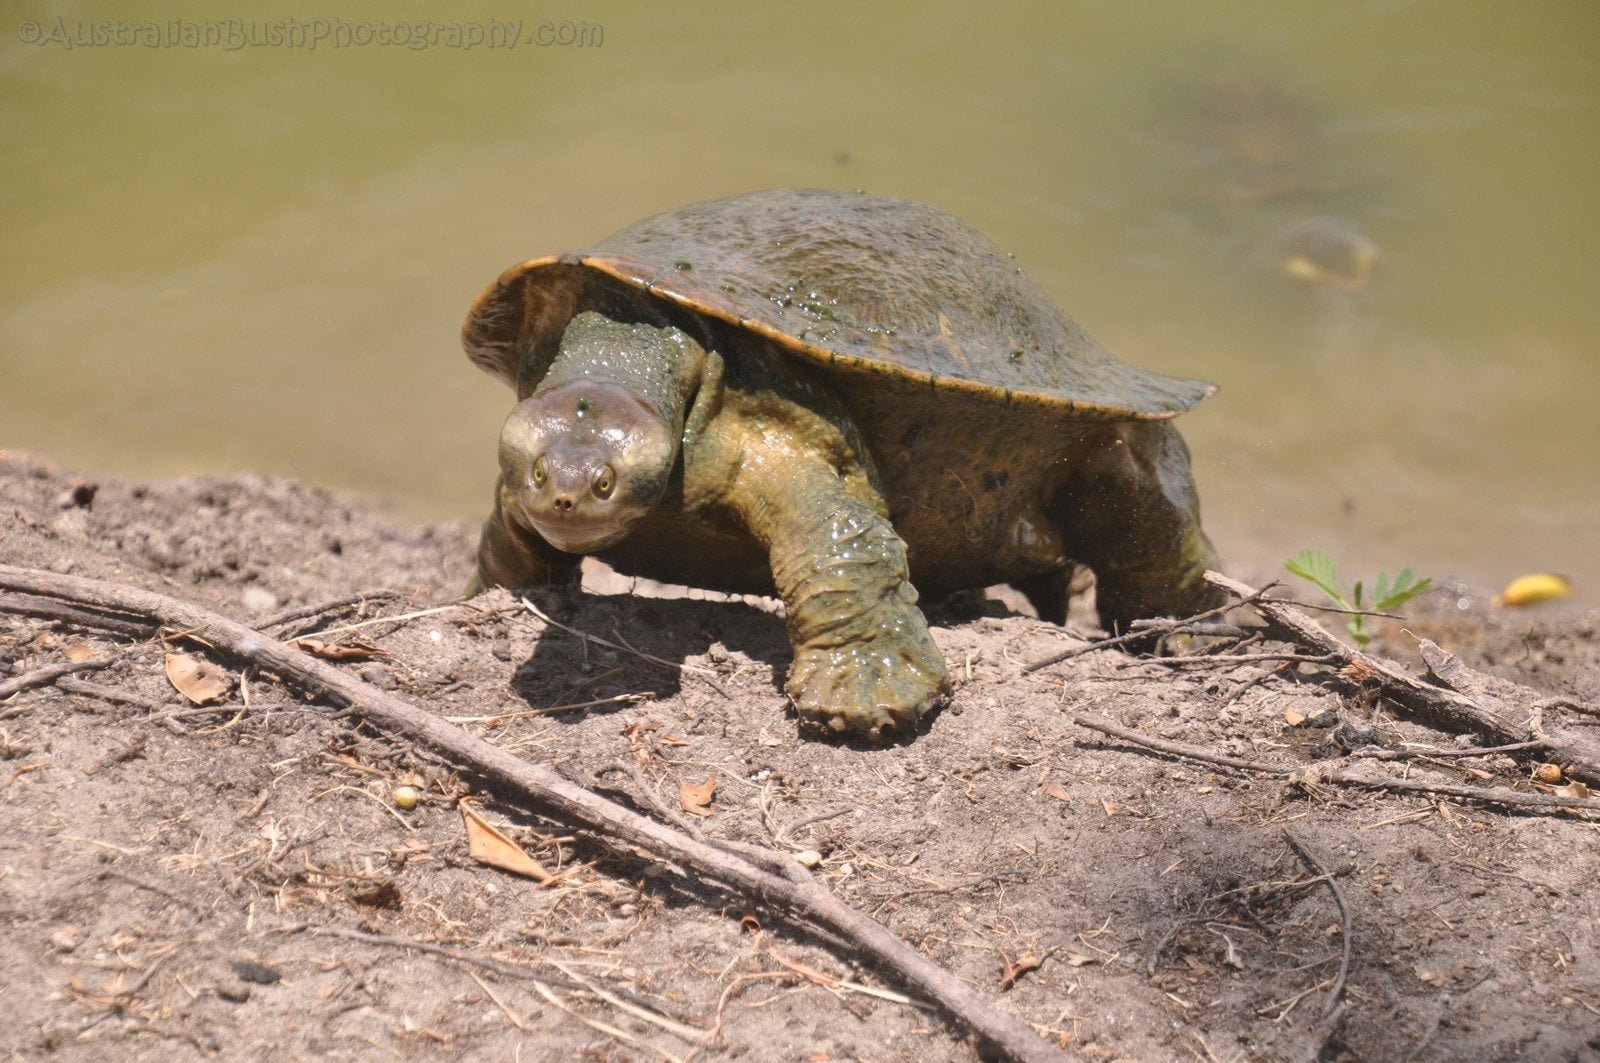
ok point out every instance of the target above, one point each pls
(258, 600)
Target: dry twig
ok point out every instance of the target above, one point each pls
(1316, 774)
(805, 900)
(1148, 630)
(49, 674)
(1496, 720)
(319, 610)
(598, 641)
(1345, 922)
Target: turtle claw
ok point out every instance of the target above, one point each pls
(870, 686)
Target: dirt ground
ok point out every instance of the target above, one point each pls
(237, 882)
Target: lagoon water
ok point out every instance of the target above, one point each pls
(257, 258)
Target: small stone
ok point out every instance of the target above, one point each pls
(808, 858)
(258, 600)
(234, 993)
(259, 973)
(78, 496)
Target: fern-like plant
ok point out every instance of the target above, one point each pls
(1323, 571)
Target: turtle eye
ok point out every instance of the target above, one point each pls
(540, 473)
(605, 482)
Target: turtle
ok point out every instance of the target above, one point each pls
(1325, 251)
(843, 399)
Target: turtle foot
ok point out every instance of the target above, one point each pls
(869, 686)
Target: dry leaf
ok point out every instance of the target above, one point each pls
(1021, 966)
(1078, 959)
(1110, 808)
(488, 846)
(638, 726)
(696, 800)
(1057, 791)
(355, 650)
(1293, 718)
(1574, 789)
(200, 681)
(80, 651)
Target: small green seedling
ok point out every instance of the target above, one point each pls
(1322, 570)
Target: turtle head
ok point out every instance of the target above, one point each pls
(583, 461)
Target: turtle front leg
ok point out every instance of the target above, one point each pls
(511, 556)
(863, 658)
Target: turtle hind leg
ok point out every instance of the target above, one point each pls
(1129, 510)
(1052, 593)
(1048, 593)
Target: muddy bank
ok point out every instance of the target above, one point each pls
(233, 881)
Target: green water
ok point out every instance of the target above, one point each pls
(214, 260)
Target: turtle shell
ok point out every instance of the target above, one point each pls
(854, 283)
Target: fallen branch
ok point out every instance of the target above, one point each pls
(1494, 719)
(793, 891)
(1316, 774)
(45, 609)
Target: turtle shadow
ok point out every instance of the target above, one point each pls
(635, 647)
(605, 651)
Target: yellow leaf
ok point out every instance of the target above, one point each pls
(200, 681)
(1532, 589)
(488, 846)
(697, 799)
